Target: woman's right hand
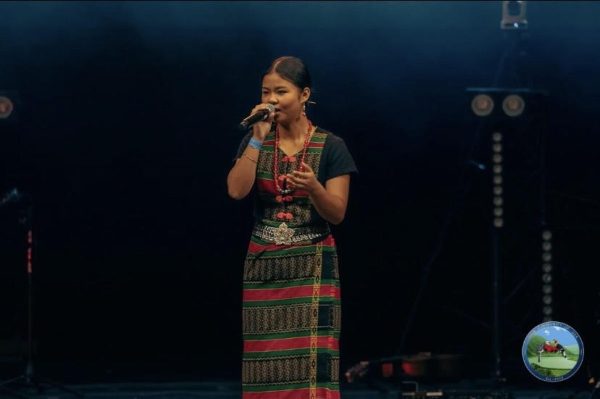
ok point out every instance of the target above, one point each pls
(262, 128)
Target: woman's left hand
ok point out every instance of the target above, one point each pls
(305, 180)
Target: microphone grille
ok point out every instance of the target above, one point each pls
(271, 107)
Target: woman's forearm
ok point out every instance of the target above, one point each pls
(329, 206)
(243, 174)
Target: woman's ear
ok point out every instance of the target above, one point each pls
(305, 94)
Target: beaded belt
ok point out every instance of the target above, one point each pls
(284, 235)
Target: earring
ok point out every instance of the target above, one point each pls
(304, 109)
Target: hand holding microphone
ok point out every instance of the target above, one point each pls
(260, 120)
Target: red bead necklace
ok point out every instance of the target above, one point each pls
(276, 177)
(284, 192)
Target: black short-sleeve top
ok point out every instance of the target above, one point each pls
(326, 153)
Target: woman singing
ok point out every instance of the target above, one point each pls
(291, 298)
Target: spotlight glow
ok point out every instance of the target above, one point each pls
(513, 105)
(547, 267)
(482, 105)
(547, 235)
(6, 107)
(546, 246)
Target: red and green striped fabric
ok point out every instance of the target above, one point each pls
(291, 301)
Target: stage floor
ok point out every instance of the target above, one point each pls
(183, 381)
(230, 390)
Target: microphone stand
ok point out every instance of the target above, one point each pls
(28, 377)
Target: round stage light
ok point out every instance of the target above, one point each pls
(546, 246)
(513, 105)
(6, 107)
(482, 105)
(547, 267)
(547, 235)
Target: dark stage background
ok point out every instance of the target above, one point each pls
(125, 131)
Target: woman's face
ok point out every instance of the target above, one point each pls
(287, 98)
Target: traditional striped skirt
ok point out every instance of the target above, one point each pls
(291, 321)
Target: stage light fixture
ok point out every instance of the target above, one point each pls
(514, 15)
(497, 180)
(546, 246)
(547, 289)
(547, 298)
(546, 235)
(547, 267)
(6, 107)
(547, 310)
(513, 105)
(482, 105)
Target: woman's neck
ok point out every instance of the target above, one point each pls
(295, 131)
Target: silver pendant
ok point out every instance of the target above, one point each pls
(283, 235)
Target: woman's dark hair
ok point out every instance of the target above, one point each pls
(293, 70)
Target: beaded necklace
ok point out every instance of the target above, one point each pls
(283, 197)
(276, 177)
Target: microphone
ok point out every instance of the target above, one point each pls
(258, 116)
